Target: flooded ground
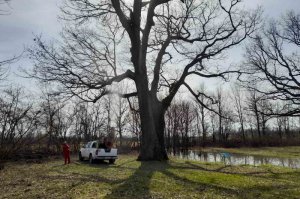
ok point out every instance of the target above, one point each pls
(236, 159)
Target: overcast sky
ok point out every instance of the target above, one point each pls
(33, 17)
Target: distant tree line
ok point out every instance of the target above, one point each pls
(241, 119)
(237, 118)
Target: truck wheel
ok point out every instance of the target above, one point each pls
(80, 156)
(91, 160)
(111, 161)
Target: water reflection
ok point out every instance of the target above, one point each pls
(236, 159)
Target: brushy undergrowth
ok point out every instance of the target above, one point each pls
(128, 178)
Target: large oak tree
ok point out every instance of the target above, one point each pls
(158, 45)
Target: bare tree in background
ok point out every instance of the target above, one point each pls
(260, 108)
(157, 34)
(202, 115)
(4, 66)
(180, 125)
(188, 115)
(237, 95)
(108, 108)
(17, 121)
(3, 70)
(221, 112)
(224, 115)
(274, 60)
(134, 122)
(121, 114)
(98, 120)
(253, 106)
(90, 121)
(213, 124)
(172, 127)
(51, 117)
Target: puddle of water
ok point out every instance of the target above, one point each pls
(236, 159)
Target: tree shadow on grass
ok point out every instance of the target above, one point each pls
(270, 189)
(137, 185)
(200, 187)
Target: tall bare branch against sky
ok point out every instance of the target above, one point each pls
(35, 17)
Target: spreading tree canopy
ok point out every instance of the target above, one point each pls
(157, 45)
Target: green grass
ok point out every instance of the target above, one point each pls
(280, 152)
(129, 178)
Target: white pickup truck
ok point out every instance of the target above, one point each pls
(92, 152)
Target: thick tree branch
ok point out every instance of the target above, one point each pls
(122, 17)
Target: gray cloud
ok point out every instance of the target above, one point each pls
(27, 17)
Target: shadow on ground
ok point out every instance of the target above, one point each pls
(138, 184)
(144, 183)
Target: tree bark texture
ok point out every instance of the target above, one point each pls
(152, 125)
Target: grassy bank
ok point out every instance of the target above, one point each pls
(131, 179)
(281, 152)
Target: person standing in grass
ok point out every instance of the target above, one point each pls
(66, 152)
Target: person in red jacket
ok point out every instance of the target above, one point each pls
(66, 151)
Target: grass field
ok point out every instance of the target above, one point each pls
(128, 178)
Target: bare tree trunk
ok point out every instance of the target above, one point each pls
(287, 127)
(220, 125)
(120, 136)
(186, 136)
(213, 129)
(152, 125)
(203, 127)
(175, 126)
(280, 132)
(263, 125)
(257, 121)
(198, 128)
(169, 134)
(252, 135)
